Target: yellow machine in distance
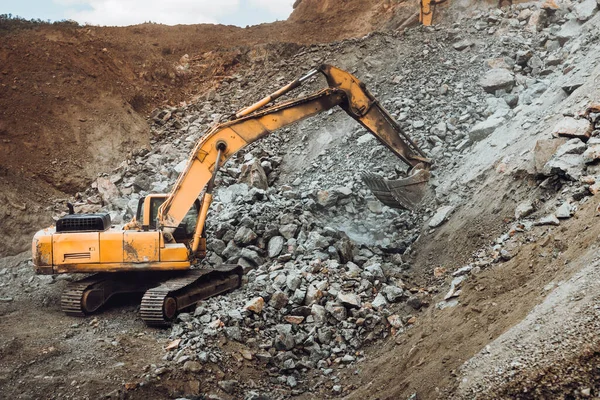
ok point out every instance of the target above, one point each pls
(168, 233)
(427, 11)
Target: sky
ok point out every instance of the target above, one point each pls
(170, 12)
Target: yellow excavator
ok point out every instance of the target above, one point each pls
(156, 252)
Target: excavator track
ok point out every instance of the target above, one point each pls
(71, 301)
(165, 294)
(161, 304)
(152, 310)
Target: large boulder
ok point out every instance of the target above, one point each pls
(573, 128)
(497, 79)
(586, 10)
(569, 165)
(254, 175)
(569, 30)
(485, 128)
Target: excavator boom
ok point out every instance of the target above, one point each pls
(256, 122)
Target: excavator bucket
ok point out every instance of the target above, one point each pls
(403, 193)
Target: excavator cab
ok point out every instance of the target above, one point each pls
(147, 213)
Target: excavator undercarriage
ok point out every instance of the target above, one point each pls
(165, 294)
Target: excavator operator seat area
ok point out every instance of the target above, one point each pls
(184, 231)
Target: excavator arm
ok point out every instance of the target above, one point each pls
(224, 140)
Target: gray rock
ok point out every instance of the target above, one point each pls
(548, 220)
(537, 20)
(293, 280)
(373, 271)
(440, 216)
(586, 10)
(316, 241)
(347, 359)
(313, 295)
(524, 209)
(564, 211)
(319, 314)
(512, 100)
(496, 79)
(234, 314)
(573, 146)
(350, 300)
(417, 303)
(455, 287)
(375, 206)
(569, 30)
(353, 270)
(299, 297)
(571, 86)
(184, 317)
(485, 128)
(216, 245)
(275, 246)
(463, 44)
(288, 365)
(252, 256)
(379, 301)
(536, 64)
(284, 339)
(523, 56)
(291, 381)
(232, 251)
(108, 190)
(554, 60)
(344, 247)
(288, 231)
(329, 198)
(569, 165)
(393, 293)
(592, 153)
(232, 193)
(544, 151)
(364, 139)
(337, 311)
(245, 236)
(254, 175)
(234, 333)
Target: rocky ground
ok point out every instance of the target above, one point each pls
(341, 294)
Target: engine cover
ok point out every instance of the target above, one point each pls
(83, 222)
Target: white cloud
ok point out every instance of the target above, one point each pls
(130, 12)
(280, 8)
